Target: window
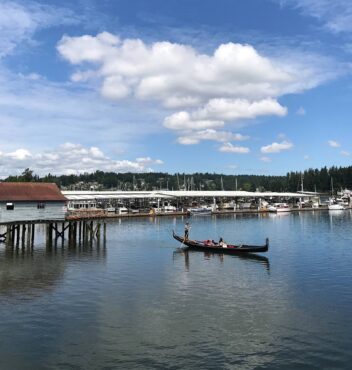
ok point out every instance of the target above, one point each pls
(10, 206)
(41, 205)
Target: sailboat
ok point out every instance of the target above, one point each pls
(334, 205)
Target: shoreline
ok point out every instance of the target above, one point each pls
(105, 215)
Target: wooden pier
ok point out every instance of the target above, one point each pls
(22, 234)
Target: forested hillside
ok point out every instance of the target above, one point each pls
(321, 180)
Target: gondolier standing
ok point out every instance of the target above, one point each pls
(187, 228)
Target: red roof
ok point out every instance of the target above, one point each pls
(30, 192)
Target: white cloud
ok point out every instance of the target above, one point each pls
(148, 161)
(19, 154)
(336, 15)
(177, 74)
(18, 22)
(209, 134)
(230, 148)
(184, 121)
(265, 159)
(306, 157)
(70, 158)
(334, 144)
(345, 153)
(42, 114)
(276, 147)
(217, 111)
(233, 84)
(237, 109)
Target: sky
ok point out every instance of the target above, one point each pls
(235, 87)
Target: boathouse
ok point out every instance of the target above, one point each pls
(29, 201)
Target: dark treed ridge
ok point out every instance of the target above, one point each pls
(321, 180)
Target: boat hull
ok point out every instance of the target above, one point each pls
(336, 207)
(230, 249)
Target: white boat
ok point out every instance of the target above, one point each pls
(202, 210)
(122, 211)
(279, 207)
(111, 209)
(229, 206)
(336, 207)
(337, 204)
(169, 209)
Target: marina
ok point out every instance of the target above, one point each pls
(158, 203)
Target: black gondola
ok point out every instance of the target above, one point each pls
(208, 245)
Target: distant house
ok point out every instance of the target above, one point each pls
(29, 201)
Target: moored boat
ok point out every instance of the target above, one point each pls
(336, 207)
(279, 207)
(211, 246)
(202, 210)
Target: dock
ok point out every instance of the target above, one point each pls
(22, 233)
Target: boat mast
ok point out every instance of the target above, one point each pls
(178, 181)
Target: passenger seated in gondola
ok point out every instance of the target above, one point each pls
(222, 243)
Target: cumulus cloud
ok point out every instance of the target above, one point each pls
(276, 147)
(209, 134)
(206, 91)
(265, 159)
(230, 148)
(177, 74)
(345, 153)
(334, 144)
(70, 158)
(184, 121)
(217, 111)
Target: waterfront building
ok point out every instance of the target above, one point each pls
(29, 201)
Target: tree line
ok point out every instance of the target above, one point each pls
(320, 180)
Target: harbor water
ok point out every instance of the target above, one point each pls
(139, 302)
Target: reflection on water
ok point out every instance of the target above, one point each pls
(137, 304)
(32, 271)
(250, 257)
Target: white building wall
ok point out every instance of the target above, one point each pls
(28, 211)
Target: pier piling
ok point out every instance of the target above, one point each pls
(78, 232)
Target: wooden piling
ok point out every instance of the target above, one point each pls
(91, 231)
(104, 232)
(49, 234)
(29, 235)
(8, 235)
(23, 235)
(32, 235)
(12, 234)
(79, 232)
(17, 235)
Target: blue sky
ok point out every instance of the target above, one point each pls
(245, 86)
